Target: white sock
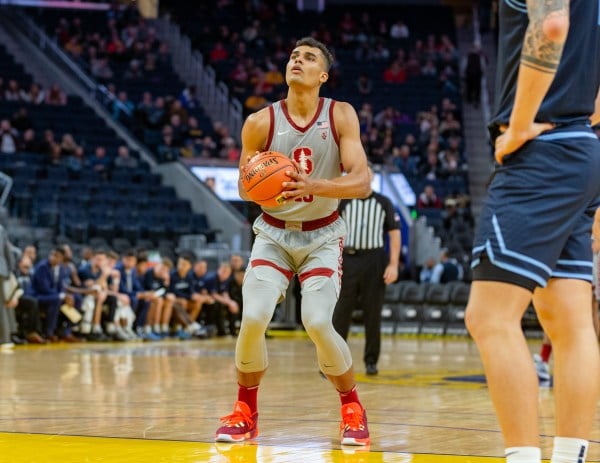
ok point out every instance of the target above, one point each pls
(156, 328)
(96, 328)
(165, 327)
(523, 455)
(147, 329)
(569, 450)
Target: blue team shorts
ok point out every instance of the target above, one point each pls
(537, 218)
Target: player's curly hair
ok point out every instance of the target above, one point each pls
(311, 42)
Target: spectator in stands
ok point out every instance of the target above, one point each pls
(431, 170)
(178, 129)
(428, 198)
(156, 281)
(26, 309)
(427, 270)
(47, 286)
(77, 162)
(13, 91)
(68, 145)
(399, 30)
(429, 69)
(218, 53)
(189, 98)
(230, 150)
(450, 126)
(202, 285)
(187, 307)
(122, 108)
(273, 76)
(100, 69)
(238, 267)
(167, 150)
(95, 276)
(447, 269)
(134, 71)
(403, 161)
(131, 286)
(124, 160)
(219, 290)
(29, 143)
(31, 251)
(255, 101)
(364, 84)
(55, 96)
(8, 137)
(21, 121)
(157, 116)
(100, 163)
(35, 95)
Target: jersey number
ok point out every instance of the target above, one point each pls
(303, 156)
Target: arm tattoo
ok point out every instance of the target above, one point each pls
(539, 52)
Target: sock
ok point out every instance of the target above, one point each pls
(249, 396)
(350, 396)
(569, 450)
(156, 328)
(165, 327)
(545, 352)
(523, 455)
(96, 328)
(147, 329)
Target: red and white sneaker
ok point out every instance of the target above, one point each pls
(354, 429)
(239, 426)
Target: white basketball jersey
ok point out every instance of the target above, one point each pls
(315, 147)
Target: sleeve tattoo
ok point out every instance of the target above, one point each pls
(539, 51)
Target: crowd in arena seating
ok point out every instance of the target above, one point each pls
(106, 296)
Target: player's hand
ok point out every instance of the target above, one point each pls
(301, 184)
(511, 140)
(390, 275)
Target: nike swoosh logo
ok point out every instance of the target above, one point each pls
(282, 133)
(245, 363)
(511, 453)
(327, 366)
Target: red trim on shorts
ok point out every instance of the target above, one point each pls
(332, 124)
(287, 273)
(316, 272)
(271, 128)
(309, 225)
(310, 124)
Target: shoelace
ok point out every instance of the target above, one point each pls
(237, 418)
(353, 421)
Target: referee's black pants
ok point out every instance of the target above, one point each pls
(363, 289)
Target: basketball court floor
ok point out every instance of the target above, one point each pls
(161, 402)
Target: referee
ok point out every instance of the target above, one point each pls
(367, 268)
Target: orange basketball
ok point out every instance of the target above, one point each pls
(263, 176)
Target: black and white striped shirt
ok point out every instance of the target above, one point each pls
(368, 220)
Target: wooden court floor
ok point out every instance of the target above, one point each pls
(160, 402)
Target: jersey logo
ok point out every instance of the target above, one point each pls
(302, 156)
(323, 126)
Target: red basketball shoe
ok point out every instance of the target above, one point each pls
(239, 426)
(354, 429)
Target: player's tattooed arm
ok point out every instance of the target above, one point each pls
(546, 34)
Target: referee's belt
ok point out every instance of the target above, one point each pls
(353, 251)
(292, 225)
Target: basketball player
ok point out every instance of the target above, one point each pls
(533, 238)
(304, 236)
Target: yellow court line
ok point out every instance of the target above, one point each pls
(41, 448)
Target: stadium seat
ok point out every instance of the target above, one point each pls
(408, 309)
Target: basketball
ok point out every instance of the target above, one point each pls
(263, 176)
